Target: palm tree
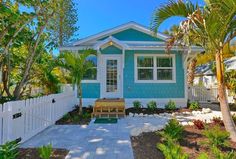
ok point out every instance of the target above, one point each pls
(77, 65)
(213, 26)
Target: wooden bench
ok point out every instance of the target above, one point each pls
(109, 108)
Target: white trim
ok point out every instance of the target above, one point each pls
(154, 74)
(103, 93)
(161, 102)
(132, 25)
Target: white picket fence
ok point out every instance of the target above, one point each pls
(24, 119)
(202, 94)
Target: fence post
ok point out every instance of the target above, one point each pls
(8, 122)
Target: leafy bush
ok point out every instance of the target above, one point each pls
(9, 150)
(137, 104)
(170, 105)
(203, 156)
(220, 155)
(173, 130)
(172, 150)
(194, 106)
(216, 136)
(86, 115)
(152, 105)
(217, 121)
(199, 124)
(45, 151)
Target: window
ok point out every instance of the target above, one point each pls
(91, 74)
(145, 68)
(155, 68)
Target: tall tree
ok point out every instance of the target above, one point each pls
(64, 28)
(214, 24)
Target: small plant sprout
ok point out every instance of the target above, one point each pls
(45, 151)
(170, 105)
(137, 104)
(152, 105)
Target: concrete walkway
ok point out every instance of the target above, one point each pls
(95, 141)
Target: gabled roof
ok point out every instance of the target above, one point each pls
(111, 39)
(130, 25)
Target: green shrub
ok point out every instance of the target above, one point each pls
(9, 150)
(203, 156)
(152, 105)
(86, 115)
(194, 106)
(170, 105)
(172, 150)
(216, 136)
(45, 151)
(221, 155)
(137, 104)
(173, 130)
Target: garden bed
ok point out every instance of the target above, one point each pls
(74, 118)
(145, 145)
(155, 111)
(32, 153)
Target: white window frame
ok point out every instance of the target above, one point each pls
(155, 80)
(96, 80)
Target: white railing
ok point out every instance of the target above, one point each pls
(24, 119)
(202, 94)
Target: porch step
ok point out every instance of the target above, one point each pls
(109, 108)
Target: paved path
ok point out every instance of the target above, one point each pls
(95, 141)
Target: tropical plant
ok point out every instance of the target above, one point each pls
(194, 106)
(221, 155)
(216, 136)
(9, 150)
(77, 65)
(217, 121)
(137, 104)
(45, 151)
(152, 105)
(211, 27)
(173, 130)
(172, 150)
(199, 124)
(170, 105)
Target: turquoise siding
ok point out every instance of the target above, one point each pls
(152, 90)
(91, 90)
(111, 50)
(133, 35)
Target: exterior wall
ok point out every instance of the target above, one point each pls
(158, 90)
(133, 35)
(91, 90)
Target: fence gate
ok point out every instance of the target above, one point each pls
(202, 94)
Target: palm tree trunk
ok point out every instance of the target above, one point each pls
(191, 71)
(80, 99)
(224, 106)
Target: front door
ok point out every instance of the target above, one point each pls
(111, 84)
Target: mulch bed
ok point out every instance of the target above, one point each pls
(81, 120)
(144, 145)
(32, 153)
(156, 111)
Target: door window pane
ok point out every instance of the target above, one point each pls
(111, 81)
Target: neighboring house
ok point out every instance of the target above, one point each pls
(133, 64)
(205, 77)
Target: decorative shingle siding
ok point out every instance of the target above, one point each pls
(111, 50)
(152, 90)
(133, 35)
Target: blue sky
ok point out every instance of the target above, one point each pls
(98, 15)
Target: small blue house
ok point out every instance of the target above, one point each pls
(132, 64)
